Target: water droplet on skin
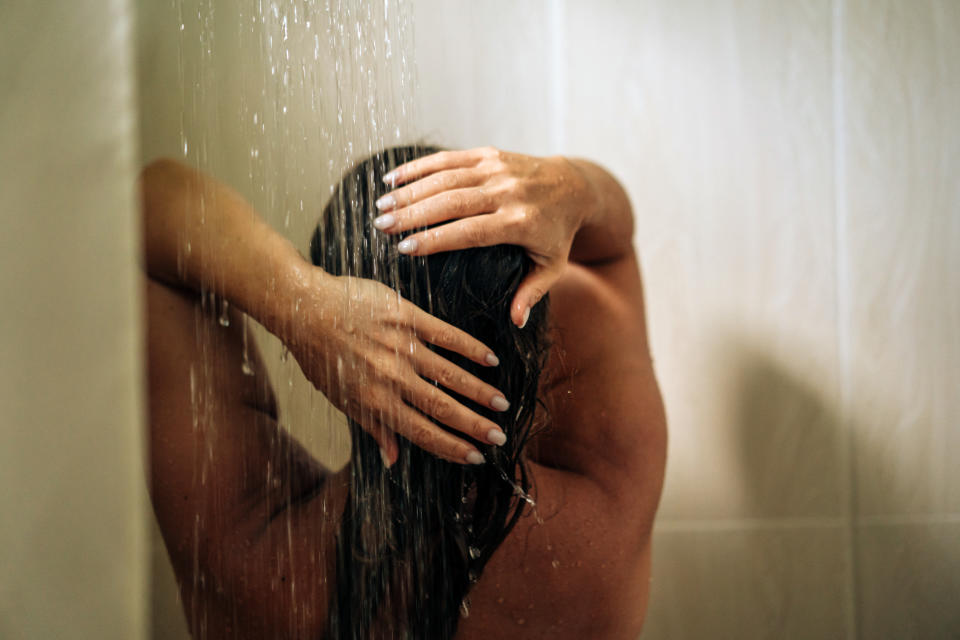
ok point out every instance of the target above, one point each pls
(474, 552)
(555, 564)
(225, 314)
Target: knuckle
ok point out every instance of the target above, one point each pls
(448, 180)
(461, 204)
(479, 429)
(422, 435)
(441, 409)
(476, 234)
(445, 336)
(447, 378)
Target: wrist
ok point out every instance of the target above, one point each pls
(290, 288)
(590, 202)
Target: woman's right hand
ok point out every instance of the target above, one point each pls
(363, 347)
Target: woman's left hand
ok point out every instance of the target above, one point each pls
(487, 197)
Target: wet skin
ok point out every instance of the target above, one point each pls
(583, 572)
(249, 518)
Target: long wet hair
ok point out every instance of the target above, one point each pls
(415, 537)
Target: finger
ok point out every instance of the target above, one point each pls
(483, 230)
(429, 186)
(371, 420)
(435, 367)
(437, 332)
(444, 409)
(534, 286)
(431, 164)
(459, 203)
(413, 426)
(387, 441)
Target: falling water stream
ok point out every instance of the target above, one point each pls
(277, 99)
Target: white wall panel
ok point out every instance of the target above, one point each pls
(771, 583)
(717, 116)
(72, 493)
(484, 74)
(903, 245)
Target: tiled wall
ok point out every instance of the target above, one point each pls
(72, 495)
(795, 171)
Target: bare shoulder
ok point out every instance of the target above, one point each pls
(579, 564)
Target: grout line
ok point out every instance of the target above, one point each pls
(558, 74)
(747, 524)
(848, 467)
(908, 519)
(780, 524)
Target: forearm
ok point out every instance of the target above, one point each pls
(201, 235)
(606, 232)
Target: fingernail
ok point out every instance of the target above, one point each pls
(496, 437)
(499, 403)
(384, 222)
(475, 457)
(526, 316)
(407, 246)
(492, 360)
(391, 178)
(385, 458)
(386, 202)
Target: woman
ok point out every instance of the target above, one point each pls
(579, 568)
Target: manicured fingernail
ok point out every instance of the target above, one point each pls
(384, 222)
(492, 360)
(407, 246)
(526, 316)
(391, 178)
(499, 403)
(475, 457)
(386, 202)
(385, 458)
(496, 437)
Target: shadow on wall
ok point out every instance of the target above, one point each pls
(790, 444)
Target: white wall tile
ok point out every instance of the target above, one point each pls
(484, 74)
(909, 580)
(717, 116)
(902, 233)
(748, 583)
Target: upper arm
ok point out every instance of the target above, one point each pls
(582, 559)
(242, 507)
(606, 414)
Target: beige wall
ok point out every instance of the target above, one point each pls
(793, 168)
(72, 496)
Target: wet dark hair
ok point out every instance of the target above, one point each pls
(415, 537)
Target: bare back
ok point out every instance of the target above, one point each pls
(577, 567)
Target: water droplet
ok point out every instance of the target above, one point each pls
(474, 552)
(555, 564)
(225, 314)
(465, 607)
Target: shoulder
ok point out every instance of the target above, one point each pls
(601, 374)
